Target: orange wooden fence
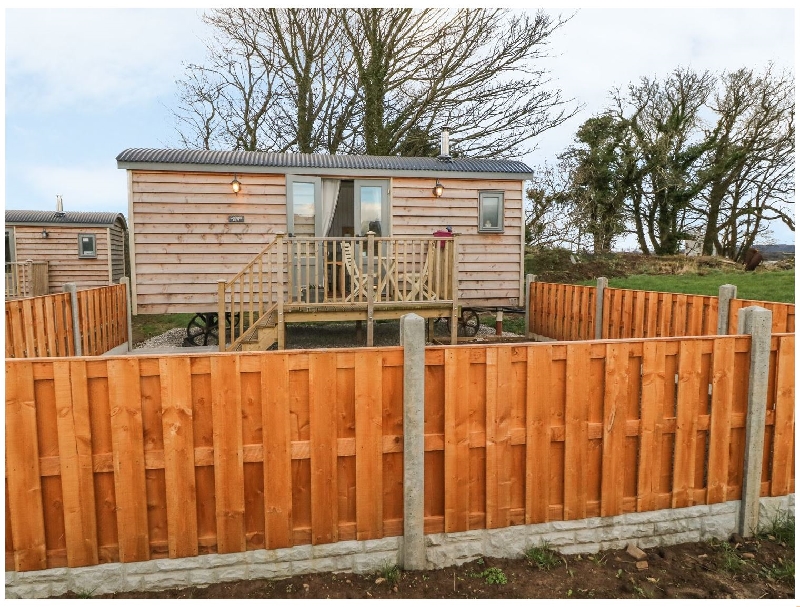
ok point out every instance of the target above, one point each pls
(135, 458)
(782, 314)
(39, 326)
(563, 312)
(42, 326)
(102, 313)
(630, 314)
(567, 313)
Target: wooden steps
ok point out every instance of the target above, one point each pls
(264, 337)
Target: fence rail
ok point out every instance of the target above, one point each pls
(134, 458)
(43, 326)
(568, 313)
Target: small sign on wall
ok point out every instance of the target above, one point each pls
(235, 218)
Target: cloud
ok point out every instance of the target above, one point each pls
(82, 188)
(56, 59)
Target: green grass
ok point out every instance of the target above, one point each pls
(781, 528)
(146, 326)
(390, 572)
(515, 323)
(764, 286)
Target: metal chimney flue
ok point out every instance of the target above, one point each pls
(444, 153)
(59, 205)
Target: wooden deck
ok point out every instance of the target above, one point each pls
(338, 279)
(26, 279)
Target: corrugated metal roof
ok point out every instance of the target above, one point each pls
(321, 161)
(49, 217)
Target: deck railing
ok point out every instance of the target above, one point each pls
(323, 273)
(27, 279)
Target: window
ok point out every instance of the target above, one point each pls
(371, 207)
(490, 212)
(87, 245)
(9, 245)
(304, 200)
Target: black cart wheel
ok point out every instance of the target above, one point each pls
(203, 328)
(468, 323)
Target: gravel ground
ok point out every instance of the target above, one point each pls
(319, 335)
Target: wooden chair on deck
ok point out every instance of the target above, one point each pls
(358, 280)
(417, 281)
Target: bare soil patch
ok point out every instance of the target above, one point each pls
(760, 568)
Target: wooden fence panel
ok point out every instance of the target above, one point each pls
(189, 454)
(561, 311)
(103, 319)
(782, 314)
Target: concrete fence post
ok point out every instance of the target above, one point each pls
(72, 289)
(726, 293)
(529, 278)
(127, 282)
(602, 283)
(756, 322)
(412, 338)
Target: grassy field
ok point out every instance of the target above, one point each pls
(764, 286)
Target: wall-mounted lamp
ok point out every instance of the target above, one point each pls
(44, 233)
(236, 185)
(438, 189)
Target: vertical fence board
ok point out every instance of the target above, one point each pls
(179, 472)
(537, 446)
(498, 436)
(576, 430)
(616, 389)
(652, 397)
(226, 409)
(456, 440)
(720, 424)
(369, 445)
(75, 458)
(686, 423)
(324, 480)
(129, 473)
(277, 451)
(783, 442)
(22, 470)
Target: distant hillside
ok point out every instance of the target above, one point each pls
(776, 252)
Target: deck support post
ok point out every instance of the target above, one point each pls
(128, 305)
(412, 339)
(726, 293)
(529, 278)
(602, 283)
(454, 316)
(280, 295)
(756, 322)
(72, 289)
(221, 337)
(371, 285)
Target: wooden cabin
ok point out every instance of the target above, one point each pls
(87, 248)
(199, 217)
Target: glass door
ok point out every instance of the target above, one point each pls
(304, 222)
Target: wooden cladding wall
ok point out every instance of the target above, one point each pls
(40, 327)
(630, 314)
(134, 458)
(60, 249)
(490, 265)
(183, 242)
(103, 318)
(782, 314)
(562, 312)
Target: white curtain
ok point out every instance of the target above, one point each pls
(330, 194)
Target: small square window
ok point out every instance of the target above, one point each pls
(490, 212)
(87, 245)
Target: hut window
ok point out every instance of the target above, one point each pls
(490, 212)
(87, 245)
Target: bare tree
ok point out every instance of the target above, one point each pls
(376, 81)
(551, 216)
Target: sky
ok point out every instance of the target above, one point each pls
(83, 85)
